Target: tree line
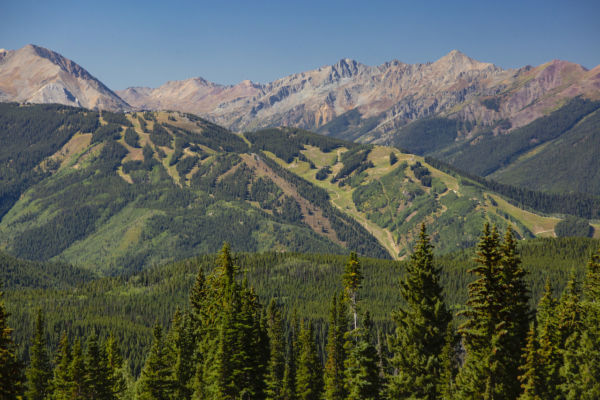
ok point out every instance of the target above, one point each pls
(228, 345)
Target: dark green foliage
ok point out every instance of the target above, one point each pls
(347, 229)
(11, 374)
(156, 381)
(497, 318)
(265, 192)
(290, 210)
(212, 136)
(492, 103)
(309, 378)
(393, 158)
(106, 133)
(61, 383)
(77, 373)
(29, 134)
(277, 356)
(488, 153)
(160, 136)
(116, 118)
(421, 173)
(573, 226)
(354, 160)
(98, 378)
(577, 204)
(428, 135)
(286, 143)
(567, 164)
(323, 173)
(334, 378)
(362, 373)
(421, 328)
(132, 138)
(532, 379)
(39, 371)
(185, 165)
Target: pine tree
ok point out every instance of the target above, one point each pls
(515, 316)
(39, 372)
(420, 328)
(156, 381)
(362, 379)
(478, 375)
(62, 382)
(449, 362)
(549, 344)
(116, 367)
(99, 383)
(276, 363)
(569, 311)
(181, 339)
(291, 362)
(581, 370)
(309, 378)
(336, 351)
(77, 373)
(352, 280)
(532, 380)
(11, 376)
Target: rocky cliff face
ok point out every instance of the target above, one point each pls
(388, 96)
(37, 75)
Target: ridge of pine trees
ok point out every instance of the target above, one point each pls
(229, 345)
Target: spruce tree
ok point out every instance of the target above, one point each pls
(420, 328)
(156, 381)
(276, 363)
(515, 316)
(291, 362)
(62, 382)
(11, 375)
(39, 372)
(479, 373)
(116, 367)
(336, 351)
(449, 362)
(362, 378)
(532, 378)
(99, 377)
(77, 373)
(549, 343)
(581, 369)
(181, 339)
(309, 378)
(352, 280)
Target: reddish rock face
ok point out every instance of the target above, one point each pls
(37, 75)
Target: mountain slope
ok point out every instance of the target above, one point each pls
(34, 74)
(113, 192)
(369, 103)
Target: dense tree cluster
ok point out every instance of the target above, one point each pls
(227, 345)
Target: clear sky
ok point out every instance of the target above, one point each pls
(145, 43)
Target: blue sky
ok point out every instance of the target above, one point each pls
(145, 43)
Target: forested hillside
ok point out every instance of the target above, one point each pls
(119, 192)
(211, 313)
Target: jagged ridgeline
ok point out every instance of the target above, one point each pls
(115, 192)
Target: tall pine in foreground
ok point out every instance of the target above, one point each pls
(309, 377)
(581, 369)
(362, 380)
(276, 363)
(62, 382)
(11, 379)
(420, 328)
(156, 381)
(336, 352)
(496, 314)
(39, 372)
